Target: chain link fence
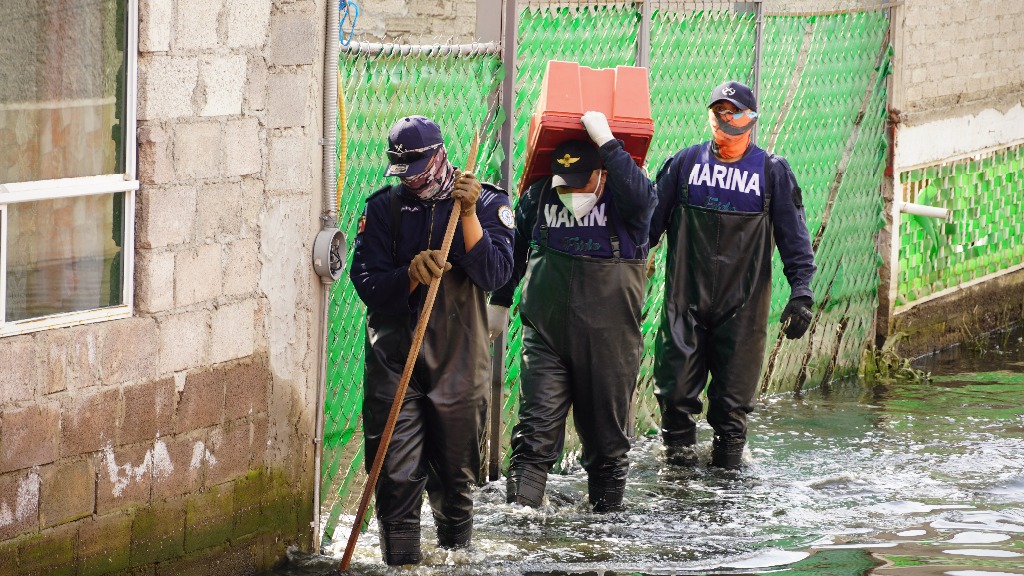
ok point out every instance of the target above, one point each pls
(822, 85)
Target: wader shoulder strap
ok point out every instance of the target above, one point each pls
(767, 182)
(540, 207)
(688, 161)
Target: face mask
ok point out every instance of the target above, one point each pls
(580, 203)
(731, 141)
(435, 183)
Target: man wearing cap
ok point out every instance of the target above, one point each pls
(397, 254)
(581, 243)
(722, 203)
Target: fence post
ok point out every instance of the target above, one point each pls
(643, 36)
(758, 40)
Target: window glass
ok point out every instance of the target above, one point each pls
(61, 88)
(64, 255)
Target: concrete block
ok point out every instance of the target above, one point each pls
(184, 464)
(220, 212)
(230, 446)
(291, 40)
(128, 350)
(51, 552)
(166, 216)
(184, 339)
(248, 493)
(208, 517)
(89, 422)
(155, 159)
(201, 402)
(256, 87)
(67, 493)
(242, 271)
(154, 281)
(197, 150)
(243, 149)
(125, 477)
(233, 331)
(104, 544)
(196, 24)
(19, 503)
(29, 436)
(247, 388)
(248, 22)
(148, 411)
(253, 197)
(70, 357)
(290, 166)
(166, 86)
(20, 374)
(198, 274)
(288, 98)
(158, 533)
(260, 440)
(223, 83)
(155, 25)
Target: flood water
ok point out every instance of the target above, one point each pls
(922, 478)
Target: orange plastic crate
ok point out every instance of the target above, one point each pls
(569, 90)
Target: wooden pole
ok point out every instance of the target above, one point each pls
(403, 384)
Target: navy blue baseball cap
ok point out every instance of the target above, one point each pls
(739, 94)
(412, 142)
(572, 163)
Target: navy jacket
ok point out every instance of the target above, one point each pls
(382, 280)
(789, 225)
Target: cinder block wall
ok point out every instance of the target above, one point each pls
(960, 57)
(180, 441)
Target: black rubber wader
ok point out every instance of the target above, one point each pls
(717, 298)
(435, 444)
(581, 349)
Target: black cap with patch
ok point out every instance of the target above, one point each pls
(572, 163)
(739, 94)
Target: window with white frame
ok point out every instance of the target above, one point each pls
(67, 161)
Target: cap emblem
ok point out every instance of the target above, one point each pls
(567, 160)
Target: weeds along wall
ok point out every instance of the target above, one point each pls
(823, 106)
(981, 237)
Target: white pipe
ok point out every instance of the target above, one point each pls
(375, 49)
(328, 220)
(922, 210)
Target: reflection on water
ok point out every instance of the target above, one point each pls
(922, 479)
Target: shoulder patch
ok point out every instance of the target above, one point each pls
(506, 216)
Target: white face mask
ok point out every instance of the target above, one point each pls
(580, 204)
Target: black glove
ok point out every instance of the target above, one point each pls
(424, 266)
(796, 317)
(467, 190)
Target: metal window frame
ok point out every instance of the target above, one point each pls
(20, 192)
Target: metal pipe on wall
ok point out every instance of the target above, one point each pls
(329, 221)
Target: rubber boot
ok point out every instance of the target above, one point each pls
(400, 543)
(525, 487)
(606, 495)
(681, 449)
(727, 452)
(454, 536)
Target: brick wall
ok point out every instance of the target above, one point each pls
(179, 441)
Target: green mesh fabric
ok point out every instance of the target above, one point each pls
(378, 90)
(981, 237)
(822, 107)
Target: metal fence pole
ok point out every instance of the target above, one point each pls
(643, 37)
(758, 40)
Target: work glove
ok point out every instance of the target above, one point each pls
(467, 190)
(426, 266)
(796, 317)
(597, 127)
(497, 320)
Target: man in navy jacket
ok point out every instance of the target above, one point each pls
(435, 445)
(721, 204)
